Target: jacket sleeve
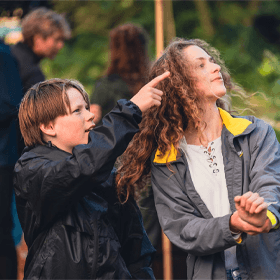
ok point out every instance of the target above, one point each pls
(52, 187)
(182, 222)
(265, 166)
(137, 250)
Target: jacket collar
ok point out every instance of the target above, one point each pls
(235, 125)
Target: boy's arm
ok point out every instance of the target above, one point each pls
(117, 129)
(108, 141)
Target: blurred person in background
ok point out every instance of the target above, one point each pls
(44, 32)
(10, 96)
(127, 71)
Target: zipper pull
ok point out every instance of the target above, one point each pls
(240, 153)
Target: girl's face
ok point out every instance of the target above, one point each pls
(207, 73)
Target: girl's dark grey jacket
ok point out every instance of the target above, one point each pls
(251, 158)
(73, 225)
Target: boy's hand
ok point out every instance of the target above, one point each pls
(148, 95)
(251, 208)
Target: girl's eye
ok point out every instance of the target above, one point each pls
(77, 111)
(201, 65)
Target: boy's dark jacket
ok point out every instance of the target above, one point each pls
(73, 224)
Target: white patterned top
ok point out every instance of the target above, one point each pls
(208, 176)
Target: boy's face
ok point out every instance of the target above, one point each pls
(73, 129)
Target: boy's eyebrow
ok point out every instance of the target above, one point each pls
(79, 106)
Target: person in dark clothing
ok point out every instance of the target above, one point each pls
(28, 63)
(10, 96)
(73, 224)
(44, 33)
(127, 71)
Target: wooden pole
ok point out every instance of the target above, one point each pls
(166, 245)
(159, 27)
(167, 258)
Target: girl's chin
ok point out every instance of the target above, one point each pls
(221, 94)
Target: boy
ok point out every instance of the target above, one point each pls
(73, 225)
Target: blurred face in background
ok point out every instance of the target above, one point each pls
(50, 46)
(207, 73)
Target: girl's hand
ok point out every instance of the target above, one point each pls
(251, 208)
(148, 95)
(236, 224)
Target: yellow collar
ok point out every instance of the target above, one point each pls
(234, 125)
(169, 156)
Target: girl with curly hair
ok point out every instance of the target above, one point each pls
(215, 176)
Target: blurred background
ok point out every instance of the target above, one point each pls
(247, 33)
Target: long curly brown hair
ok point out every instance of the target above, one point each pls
(129, 55)
(164, 126)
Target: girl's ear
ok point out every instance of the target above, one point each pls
(48, 129)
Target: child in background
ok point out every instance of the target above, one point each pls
(73, 224)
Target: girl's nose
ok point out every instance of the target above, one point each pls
(216, 68)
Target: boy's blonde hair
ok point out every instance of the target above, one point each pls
(43, 103)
